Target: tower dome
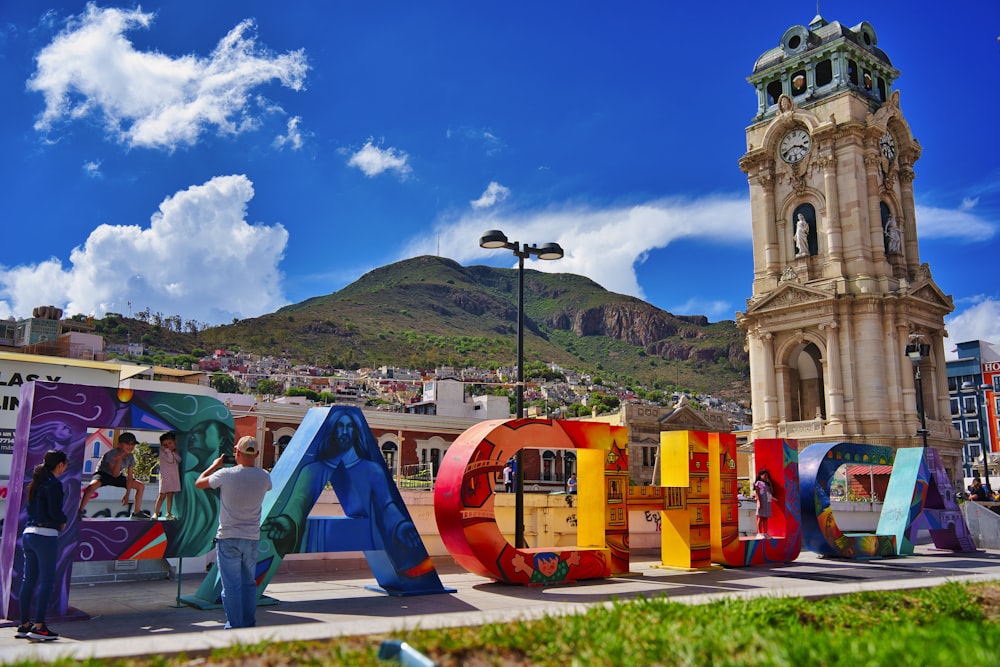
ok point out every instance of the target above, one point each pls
(824, 58)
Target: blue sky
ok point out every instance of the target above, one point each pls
(220, 160)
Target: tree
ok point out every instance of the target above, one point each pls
(145, 460)
(225, 383)
(310, 394)
(269, 386)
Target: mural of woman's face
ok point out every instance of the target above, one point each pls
(62, 433)
(57, 432)
(205, 442)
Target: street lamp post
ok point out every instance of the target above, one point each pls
(916, 352)
(492, 240)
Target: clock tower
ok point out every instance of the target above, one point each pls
(839, 293)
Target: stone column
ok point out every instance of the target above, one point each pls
(771, 254)
(876, 239)
(908, 224)
(834, 239)
(870, 352)
(834, 377)
(942, 400)
(770, 392)
(892, 368)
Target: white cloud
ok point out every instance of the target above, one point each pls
(980, 321)
(92, 168)
(493, 194)
(714, 310)
(935, 223)
(150, 99)
(584, 234)
(294, 136)
(198, 258)
(372, 160)
(490, 142)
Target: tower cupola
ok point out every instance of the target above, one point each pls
(825, 58)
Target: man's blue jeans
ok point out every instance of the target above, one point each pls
(39, 569)
(237, 560)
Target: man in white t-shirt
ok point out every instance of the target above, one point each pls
(241, 492)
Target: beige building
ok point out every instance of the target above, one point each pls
(839, 291)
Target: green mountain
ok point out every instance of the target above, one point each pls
(430, 311)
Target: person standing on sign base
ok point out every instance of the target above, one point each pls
(764, 493)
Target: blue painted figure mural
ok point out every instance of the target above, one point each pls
(334, 446)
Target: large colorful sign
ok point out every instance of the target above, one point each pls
(334, 446)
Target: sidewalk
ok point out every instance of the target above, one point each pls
(140, 618)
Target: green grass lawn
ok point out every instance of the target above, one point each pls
(955, 624)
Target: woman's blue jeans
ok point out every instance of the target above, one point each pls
(40, 553)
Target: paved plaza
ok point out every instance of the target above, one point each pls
(142, 617)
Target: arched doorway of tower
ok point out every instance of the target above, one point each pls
(805, 383)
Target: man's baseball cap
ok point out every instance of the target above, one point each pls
(247, 445)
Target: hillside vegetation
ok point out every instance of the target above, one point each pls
(431, 311)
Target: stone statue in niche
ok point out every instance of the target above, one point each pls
(801, 236)
(894, 244)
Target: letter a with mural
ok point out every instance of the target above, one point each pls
(335, 446)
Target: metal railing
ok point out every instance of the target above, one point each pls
(416, 477)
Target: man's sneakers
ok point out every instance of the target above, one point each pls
(141, 515)
(42, 634)
(22, 631)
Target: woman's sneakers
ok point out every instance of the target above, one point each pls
(42, 634)
(22, 631)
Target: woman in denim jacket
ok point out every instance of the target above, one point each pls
(40, 544)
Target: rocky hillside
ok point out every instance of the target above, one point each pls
(429, 311)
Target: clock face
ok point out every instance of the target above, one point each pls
(794, 146)
(888, 145)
